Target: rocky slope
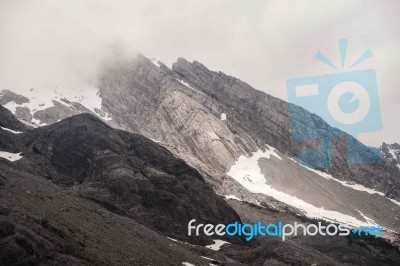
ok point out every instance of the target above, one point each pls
(8, 121)
(306, 250)
(126, 173)
(391, 153)
(9, 126)
(112, 198)
(153, 101)
(84, 193)
(211, 120)
(267, 119)
(44, 224)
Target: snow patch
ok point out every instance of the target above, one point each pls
(344, 183)
(369, 220)
(206, 258)
(187, 264)
(248, 173)
(10, 130)
(223, 116)
(107, 117)
(394, 156)
(12, 157)
(42, 98)
(213, 261)
(349, 184)
(259, 204)
(155, 62)
(37, 122)
(232, 197)
(27, 123)
(217, 244)
(175, 240)
(393, 153)
(187, 85)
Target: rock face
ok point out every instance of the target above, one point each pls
(8, 120)
(210, 119)
(391, 152)
(307, 250)
(152, 101)
(45, 224)
(115, 190)
(267, 119)
(182, 108)
(8, 125)
(206, 117)
(126, 173)
(115, 195)
(112, 199)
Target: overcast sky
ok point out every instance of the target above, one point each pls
(59, 43)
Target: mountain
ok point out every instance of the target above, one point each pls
(238, 138)
(183, 107)
(124, 172)
(83, 193)
(80, 187)
(391, 153)
(45, 224)
(267, 119)
(211, 120)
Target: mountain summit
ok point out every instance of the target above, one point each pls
(165, 142)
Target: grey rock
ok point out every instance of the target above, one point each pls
(125, 173)
(391, 152)
(7, 120)
(9, 96)
(23, 113)
(266, 119)
(115, 195)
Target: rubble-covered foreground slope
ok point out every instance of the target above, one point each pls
(41, 223)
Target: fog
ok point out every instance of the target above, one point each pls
(62, 43)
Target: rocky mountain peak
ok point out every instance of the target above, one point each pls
(212, 120)
(121, 147)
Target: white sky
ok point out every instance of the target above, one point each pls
(59, 43)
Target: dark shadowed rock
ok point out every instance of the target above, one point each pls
(50, 225)
(8, 120)
(126, 173)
